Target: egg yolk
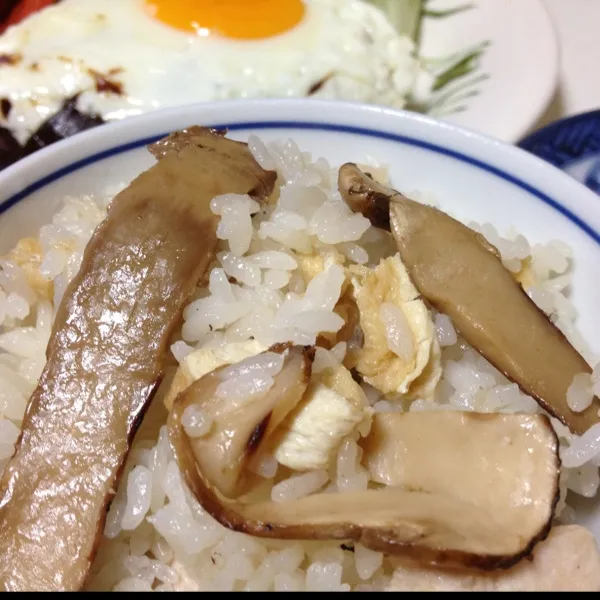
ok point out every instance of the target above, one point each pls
(239, 19)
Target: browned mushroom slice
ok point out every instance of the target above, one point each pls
(105, 357)
(240, 422)
(505, 464)
(461, 275)
(433, 524)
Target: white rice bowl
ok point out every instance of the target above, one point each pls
(157, 537)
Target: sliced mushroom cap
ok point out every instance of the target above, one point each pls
(106, 357)
(434, 525)
(504, 463)
(221, 158)
(461, 275)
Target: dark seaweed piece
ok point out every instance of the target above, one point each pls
(66, 122)
(5, 107)
(10, 149)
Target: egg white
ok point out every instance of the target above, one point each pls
(347, 45)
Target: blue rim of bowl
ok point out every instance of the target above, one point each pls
(309, 125)
(567, 140)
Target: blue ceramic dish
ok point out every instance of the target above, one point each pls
(573, 145)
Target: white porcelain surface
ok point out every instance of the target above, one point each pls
(522, 62)
(471, 176)
(576, 26)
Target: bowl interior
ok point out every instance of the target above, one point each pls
(470, 176)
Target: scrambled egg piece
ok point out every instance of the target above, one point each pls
(27, 254)
(310, 266)
(526, 275)
(390, 373)
(203, 361)
(333, 407)
(424, 385)
(346, 308)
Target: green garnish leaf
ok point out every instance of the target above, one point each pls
(404, 15)
(440, 14)
(460, 68)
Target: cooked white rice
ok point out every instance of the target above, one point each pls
(157, 537)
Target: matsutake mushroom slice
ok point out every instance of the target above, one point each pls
(246, 402)
(504, 463)
(204, 360)
(459, 273)
(436, 526)
(106, 356)
(332, 406)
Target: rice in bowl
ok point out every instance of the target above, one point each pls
(281, 275)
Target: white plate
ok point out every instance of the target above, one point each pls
(471, 176)
(521, 61)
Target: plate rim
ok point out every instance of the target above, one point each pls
(549, 88)
(449, 136)
(77, 165)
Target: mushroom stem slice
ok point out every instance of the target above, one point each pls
(365, 195)
(506, 464)
(431, 529)
(107, 355)
(433, 524)
(461, 275)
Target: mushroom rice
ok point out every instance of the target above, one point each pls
(303, 288)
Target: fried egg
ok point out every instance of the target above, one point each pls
(127, 57)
